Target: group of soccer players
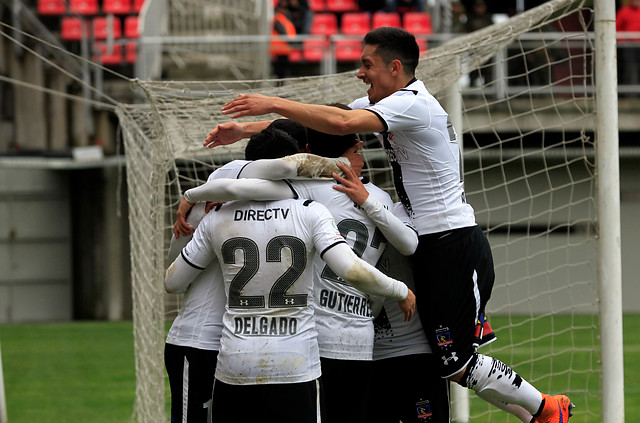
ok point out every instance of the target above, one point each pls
(299, 346)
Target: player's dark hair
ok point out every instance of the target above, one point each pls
(297, 131)
(270, 143)
(327, 145)
(395, 44)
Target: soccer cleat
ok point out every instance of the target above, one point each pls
(484, 334)
(488, 335)
(557, 409)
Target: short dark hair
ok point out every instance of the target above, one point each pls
(297, 131)
(270, 143)
(327, 145)
(395, 44)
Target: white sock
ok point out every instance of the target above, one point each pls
(513, 409)
(494, 381)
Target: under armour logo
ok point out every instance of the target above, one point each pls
(289, 301)
(244, 302)
(448, 359)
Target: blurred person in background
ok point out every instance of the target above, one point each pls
(283, 33)
(628, 20)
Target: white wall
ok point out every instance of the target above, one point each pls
(35, 246)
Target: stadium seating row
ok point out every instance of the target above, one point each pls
(87, 18)
(88, 7)
(71, 28)
(113, 55)
(335, 6)
(359, 23)
(355, 24)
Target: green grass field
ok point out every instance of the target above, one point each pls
(84, 372)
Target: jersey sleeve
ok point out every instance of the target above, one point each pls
(397, 111)
(199, 252)
(196, 214)
(231, 170)
(325, 233)
(360, 103)
(223, 189)
(379, 207)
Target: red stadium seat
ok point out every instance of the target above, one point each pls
(385, 19)
(131, 27)
(348, 50)
(83, 7)
(117, 7)
(137, 5)
(357, 23)
(108, 56)
(317, 5)
(324, 24)
(52, 7)
(101, 29)
(130, 52)
(314, 50)
(340, 6)
(417, 23)
(295, 56)
(71, 28)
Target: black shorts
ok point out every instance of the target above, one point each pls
(453, 276)
(190, 370)
(281, 403)
(409, 389)
(347, 385)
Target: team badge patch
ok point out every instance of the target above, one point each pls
(444, 337)
(423, 411)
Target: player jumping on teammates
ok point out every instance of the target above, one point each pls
(453, 265)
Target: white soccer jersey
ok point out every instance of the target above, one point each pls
(199, 321)
(423, 150)
(230, 170)
(343, 313)
(266, 251)
(393, 336)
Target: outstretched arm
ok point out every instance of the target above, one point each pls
(230, 132)
(328, 119)
(296, 166)
(401, 236)
(367, 278)
(223, 189)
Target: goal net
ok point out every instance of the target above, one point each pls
(522, 94)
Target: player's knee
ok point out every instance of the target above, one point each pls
(462, 377)
(458, 377)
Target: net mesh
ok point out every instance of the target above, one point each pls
(527, 118)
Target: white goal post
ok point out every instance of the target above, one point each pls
(3, 399)
(540, 167)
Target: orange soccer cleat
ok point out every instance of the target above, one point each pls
(557, 409)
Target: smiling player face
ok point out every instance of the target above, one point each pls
(377, 74)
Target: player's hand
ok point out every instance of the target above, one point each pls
(181, 227)
(224, 134)
(351, 185)
(408, 306)
(355, 158)
(248, 105)
(211, 204)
